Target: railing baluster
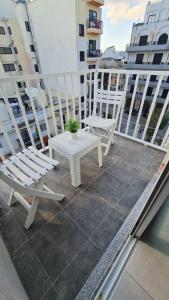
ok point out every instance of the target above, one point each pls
(152, 107)
(132, 104)
(101, 93)
(123, 102)
(60, 104)
(90, 92)
(107, 104)
(166, 137)
(23, 113)
(35, 114)
(12, 117)
(73, 95)
(52, 109)
(44, 109)
(160, 118)
(141, 106)
(67, 99)
(79, 97)
(85, 96)
(117, 81)
(11, 147)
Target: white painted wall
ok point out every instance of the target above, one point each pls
(54, 27)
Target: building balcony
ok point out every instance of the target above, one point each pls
(94, 27)
(96, 2)
(65, 248)
(147, 66)
(148, 47)
(93, 54)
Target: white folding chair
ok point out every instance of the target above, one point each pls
(21, 172)
(107, 103)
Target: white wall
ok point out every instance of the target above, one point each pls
(54, 28)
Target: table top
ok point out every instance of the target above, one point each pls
(65, 142)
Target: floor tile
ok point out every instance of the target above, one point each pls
(57, 243)
(108, 229)
(51, 294)
(128, 289)
(46, 210)
(88, 210)
(31, 272)
(11, 231)
(124, 171)
(109, 187)
(75, 275)
(129, 199)
(142, 180)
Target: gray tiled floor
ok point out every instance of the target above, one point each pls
(57, 254)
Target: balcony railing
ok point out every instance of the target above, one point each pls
(62, 96)
(93, 23)
(93, 53)
(149, 46)
(147, 66)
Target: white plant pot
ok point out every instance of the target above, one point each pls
(74, 135)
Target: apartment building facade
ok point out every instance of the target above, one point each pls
(149, 49)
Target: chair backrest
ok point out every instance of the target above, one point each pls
(108, 103)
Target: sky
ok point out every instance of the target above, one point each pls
(118, 18)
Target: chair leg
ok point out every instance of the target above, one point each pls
(31, 214)
(109, 144)
(59, 197)
(11, 200)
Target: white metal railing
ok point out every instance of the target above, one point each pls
(54, 98)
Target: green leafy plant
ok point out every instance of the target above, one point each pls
(72, 125)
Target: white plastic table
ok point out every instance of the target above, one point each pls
(74, 150)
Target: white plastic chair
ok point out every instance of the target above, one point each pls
(21, 172)
(109, 103)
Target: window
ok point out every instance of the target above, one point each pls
(153, 77)
(131, 88)
(32, 47)
(81, 30)
(20, 68)
(82, 56)
(9, 67)
(82, 99)
(43, 127)
(15, 50)
(19, 84)
(164, 93)
(81, 78)
(151, 19)
(157, 58)
(9, 30)
(5, 50)
(2, 30)
(134, 77)
(143, 40)
(167, 79)
(92, 15)
(162, 39)
(92, 67)
(149, 91)
(139, 58)
(27, 25)
(36, 68)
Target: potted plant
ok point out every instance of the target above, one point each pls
(72, 125)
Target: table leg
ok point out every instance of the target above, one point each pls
(50, 152)
(75, 171)
(100, 160)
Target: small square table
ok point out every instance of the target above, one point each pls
(74, 149)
